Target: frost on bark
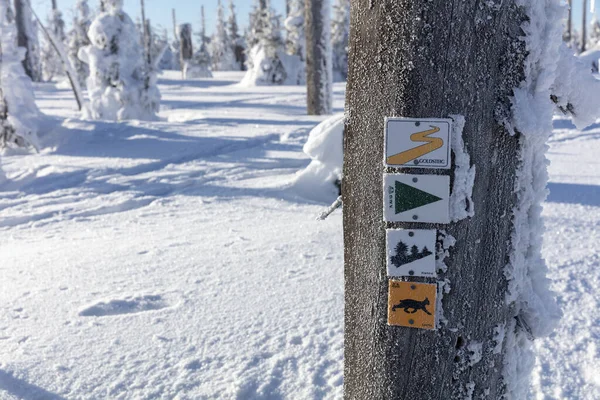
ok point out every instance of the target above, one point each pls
(19, 115)
(431, 59)
(27, 38)
(318, 57)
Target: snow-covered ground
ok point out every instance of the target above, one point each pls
(173, 260)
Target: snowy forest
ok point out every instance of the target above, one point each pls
(197, 198)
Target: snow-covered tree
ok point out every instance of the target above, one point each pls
(28, 38)
(201, 62)
(221, 50)
(51, 62)
(78, 38)
(268, 63)
(236, 41)
(294, 25)
(121, 85)
(340, 31)
(19, 115)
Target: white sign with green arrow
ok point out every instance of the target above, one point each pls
(416, 198)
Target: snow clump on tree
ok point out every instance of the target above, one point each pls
(121, 85)
(322, 178)
(19, 116)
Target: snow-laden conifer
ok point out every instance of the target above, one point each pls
(52, 65)
(121, 85)
(19, 115)
(340, 31)
(78, 38)
(268, 63)
(236, 41)
(221, 51)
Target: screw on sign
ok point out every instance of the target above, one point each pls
(411, 304)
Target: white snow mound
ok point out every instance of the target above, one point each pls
(320, 180)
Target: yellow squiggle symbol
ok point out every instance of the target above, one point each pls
(431, 144)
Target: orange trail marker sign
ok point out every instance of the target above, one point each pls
(417, 142)
(412, 304)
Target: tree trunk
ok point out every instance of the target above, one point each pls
(54, 5)
(318, 58)
(584, 27)
(25, 40)
(430, 59)
(569, 20)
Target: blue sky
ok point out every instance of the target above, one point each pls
(159, 11)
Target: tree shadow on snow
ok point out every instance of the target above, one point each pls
(573, 193)
(196, 83)
(24, 390)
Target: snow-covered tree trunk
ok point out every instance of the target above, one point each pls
(19, 115)
(28, 39)
(318, 57)
(493, 68)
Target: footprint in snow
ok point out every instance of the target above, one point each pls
(129, 305)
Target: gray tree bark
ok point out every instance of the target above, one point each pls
(429, 59)
(318, 57)
(24, 24)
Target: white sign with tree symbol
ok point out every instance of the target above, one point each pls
(411, 252)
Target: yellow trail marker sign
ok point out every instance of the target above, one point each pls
(411, 304)
(413, 142)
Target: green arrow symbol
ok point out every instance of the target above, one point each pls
(408, 197)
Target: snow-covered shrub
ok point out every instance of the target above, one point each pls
(121, 84)
(322, 178)
(221, 51)
(19, 116)
(273, 69)
(78, 38)
(340, 31)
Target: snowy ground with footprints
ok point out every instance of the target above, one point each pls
(176, 259)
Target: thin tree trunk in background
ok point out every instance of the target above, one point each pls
(54, 5)
(584, 27)
(569, 21)
(102, 6)
(318, 58)
(430, 59)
